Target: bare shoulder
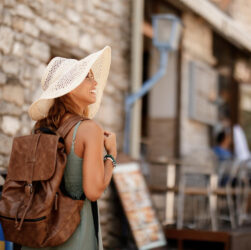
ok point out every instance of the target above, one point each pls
(90, 128)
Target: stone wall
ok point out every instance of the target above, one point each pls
(197, 44)
(33, 32)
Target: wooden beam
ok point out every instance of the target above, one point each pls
(221, 22)
(195, 190)
(197, 235)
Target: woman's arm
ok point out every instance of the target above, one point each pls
(96, 174)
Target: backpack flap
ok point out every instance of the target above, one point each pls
(33, 157)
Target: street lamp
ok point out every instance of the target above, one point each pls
(166, 34)
(166, 31)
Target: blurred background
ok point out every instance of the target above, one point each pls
(188, 127)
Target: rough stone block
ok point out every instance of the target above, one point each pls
(18, 23)
(10, 65)
(28, 71)
(9, 3)
(24, 11)
(5, 144)
(101, 40)
(4, 161)
(27, 39)
(31, 29)
(85, 42)
(6, 18)
(10, 125)
(26, 123)
(3, 78)
(103, 205)
(14, 94)
(44, 25)
(7, 108)
(107, 194)
(18, 49)
(73, 16)
(6, 40)
(40, 50)
(39, 71)
(104, 16)
(72, 31)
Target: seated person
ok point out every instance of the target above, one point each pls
(223, 153)
(222, 149)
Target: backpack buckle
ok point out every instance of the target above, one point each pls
(28, 188)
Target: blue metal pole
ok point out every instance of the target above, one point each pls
(147, 85)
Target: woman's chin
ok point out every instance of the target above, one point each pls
(93, 100)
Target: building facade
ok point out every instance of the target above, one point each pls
(206, 86)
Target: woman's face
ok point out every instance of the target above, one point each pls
(85, 93)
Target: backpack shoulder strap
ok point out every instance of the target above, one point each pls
(64, 129)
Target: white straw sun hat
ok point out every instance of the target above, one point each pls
(62, 75)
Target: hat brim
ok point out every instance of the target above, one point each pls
(99, 62)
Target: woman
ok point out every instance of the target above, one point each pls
(73, 87)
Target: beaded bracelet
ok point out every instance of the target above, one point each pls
(110, 157)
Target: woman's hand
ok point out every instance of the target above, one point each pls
(110, 143)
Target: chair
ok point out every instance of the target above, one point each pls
(227, 172)
(243, 188)
(200, 163)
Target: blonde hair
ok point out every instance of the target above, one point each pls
(61, 106)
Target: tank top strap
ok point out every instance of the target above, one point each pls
(74, 135)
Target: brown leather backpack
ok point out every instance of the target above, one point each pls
(34, 211)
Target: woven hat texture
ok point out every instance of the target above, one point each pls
(62, 75)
